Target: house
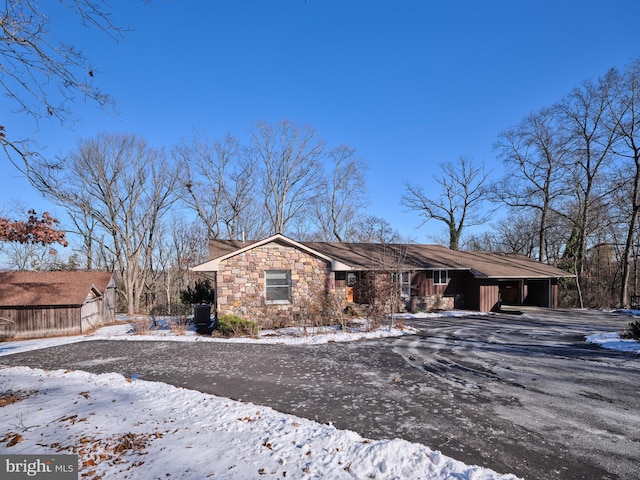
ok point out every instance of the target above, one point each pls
(42, 304)
(283, 275)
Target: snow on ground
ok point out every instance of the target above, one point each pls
(613, 341)
(289, 336)
(133, 429)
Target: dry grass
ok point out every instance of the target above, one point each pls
(142, 326)
(179, 326)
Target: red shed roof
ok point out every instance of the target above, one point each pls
(50, 288)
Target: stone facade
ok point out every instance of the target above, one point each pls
(240, 283)
(431, 303)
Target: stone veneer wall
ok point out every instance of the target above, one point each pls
(430, 303)
(240, 283)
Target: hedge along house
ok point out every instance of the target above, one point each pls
(43, 304)
(277, 274)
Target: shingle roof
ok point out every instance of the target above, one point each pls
(436, 257)
(220, 248)
(49, 288)
(508, 265)
(371, 256)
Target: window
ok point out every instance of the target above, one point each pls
(439, 277)
(403, 279)
(277, 286)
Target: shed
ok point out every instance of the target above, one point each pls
(44, 304)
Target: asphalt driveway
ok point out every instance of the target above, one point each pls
(521, 394)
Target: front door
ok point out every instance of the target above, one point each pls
(351, 280)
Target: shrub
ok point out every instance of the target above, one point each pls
(350, 311)
(233, 326)
(633, 331)
(142, 326)
(312, 311)
(179, 325)
(202, 292)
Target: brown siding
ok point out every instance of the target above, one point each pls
(419, 284)
(489, 296)
(510, 292)
(422, 284)
(33, 322)
(426, 296)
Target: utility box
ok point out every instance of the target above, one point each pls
(202, 319)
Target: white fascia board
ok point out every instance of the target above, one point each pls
(337, 266)
(210, 266)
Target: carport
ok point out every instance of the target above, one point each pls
(537, 292)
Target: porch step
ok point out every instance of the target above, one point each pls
(356, 309)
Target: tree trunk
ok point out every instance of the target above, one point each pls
(628, 247)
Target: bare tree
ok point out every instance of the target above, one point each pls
(218, 182)
(388, 287)
(127, 187)
(182, 245)
(341, 197)
(458, 206)
(28, 256)
(582, 120)
(372, 229)
(515, 233)
(41, 74)
(204, 166)
(290, 161)
(534, 154)
(485, 241)
(86, 227)
(624, 111)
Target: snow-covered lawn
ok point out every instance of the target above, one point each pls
(612, 340)
(132, 429)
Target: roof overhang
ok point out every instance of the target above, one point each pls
(477, 274)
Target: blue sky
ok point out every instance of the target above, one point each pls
(408, 84)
